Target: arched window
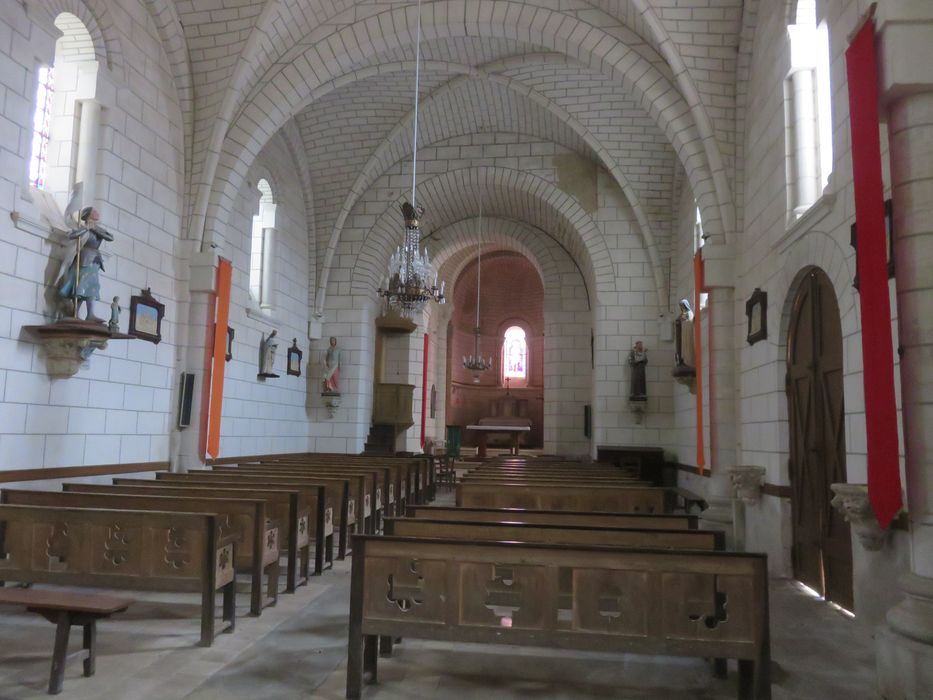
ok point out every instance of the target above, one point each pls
(66, 112)
(808, 111)
(515, 356)
(261, 254)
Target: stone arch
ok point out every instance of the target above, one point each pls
(576, 231)
(289, 89)
(98, 20)
(398, 144)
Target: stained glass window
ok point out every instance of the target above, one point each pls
(515, 351)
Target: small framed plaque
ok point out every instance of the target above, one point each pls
(756, 309)
(146, 317)
(294, 359)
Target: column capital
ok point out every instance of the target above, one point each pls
(905, 47)
(718, 266)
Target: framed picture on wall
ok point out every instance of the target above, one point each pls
(293, 364)
(146, 317)
(756, 309)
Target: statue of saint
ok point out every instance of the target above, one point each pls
(81, 281)
(267, 348)
(331, 364)
(114, 325)
(637, 359)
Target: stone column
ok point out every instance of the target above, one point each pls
(720, 388)
(805, 154)
(88, 148)
(268, 268)
(194, 339)
(905, 645)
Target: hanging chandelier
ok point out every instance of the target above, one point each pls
(411, 280)
(475, 363)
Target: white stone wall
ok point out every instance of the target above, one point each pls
(119, 408)
(269, 415)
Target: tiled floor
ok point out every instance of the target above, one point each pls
(298, 650)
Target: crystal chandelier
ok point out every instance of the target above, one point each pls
(411, 280)
(475, 363)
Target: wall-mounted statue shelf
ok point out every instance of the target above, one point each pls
(70, 342)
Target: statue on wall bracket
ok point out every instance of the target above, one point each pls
(69, 341)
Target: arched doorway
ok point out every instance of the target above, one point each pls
(822, 546)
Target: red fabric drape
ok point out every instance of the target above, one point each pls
(698, 352)
(424, 389)
(218, 364)
(884, 482)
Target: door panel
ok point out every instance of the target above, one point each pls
(821, 550)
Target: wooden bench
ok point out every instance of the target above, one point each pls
(564, 533)
(345, 504)
(303, 519)
(64, 609)
(394, 477)
(658, 602)
(566, 496)
(142, 550)
(256, 537)
(362, 483)
(555, 517)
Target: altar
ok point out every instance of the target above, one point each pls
(482, 432)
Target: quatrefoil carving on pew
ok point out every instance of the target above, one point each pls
(176, 548)
(116, 547)
(57, 544)
(610, 603)
(406, 589)
(700, 610)
(503, 593)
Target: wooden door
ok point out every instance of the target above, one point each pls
(822, 547)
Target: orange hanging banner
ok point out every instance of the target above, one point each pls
(218, 363)
(698, 352)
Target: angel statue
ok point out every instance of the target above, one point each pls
(81, 281)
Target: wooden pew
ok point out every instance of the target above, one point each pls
(421, 469)
(389, 479)
(142, 550)
(564, 533)
(555, 517)
(344, 513)
(418, 474)
(567, 496)
(256, 537)
(658, 602)
(362, 483)
(291, 507)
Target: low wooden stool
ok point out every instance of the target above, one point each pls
(64, 609)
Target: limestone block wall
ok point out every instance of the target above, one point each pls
(269, 415)
(120, 407)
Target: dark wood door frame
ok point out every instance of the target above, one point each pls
(821, 549)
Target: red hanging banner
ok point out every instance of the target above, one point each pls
(884, 480)
(698, 284)
(218, 364)
(424, 388)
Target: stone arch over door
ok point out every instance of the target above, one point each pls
(821, 548)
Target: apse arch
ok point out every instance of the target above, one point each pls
(288, 90)
(505, 193)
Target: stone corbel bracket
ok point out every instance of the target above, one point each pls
(638, 407)
(69, 343)
(747, 481)
(851, 501)
(332, 401)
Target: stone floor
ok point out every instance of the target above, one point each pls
(298, 650)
